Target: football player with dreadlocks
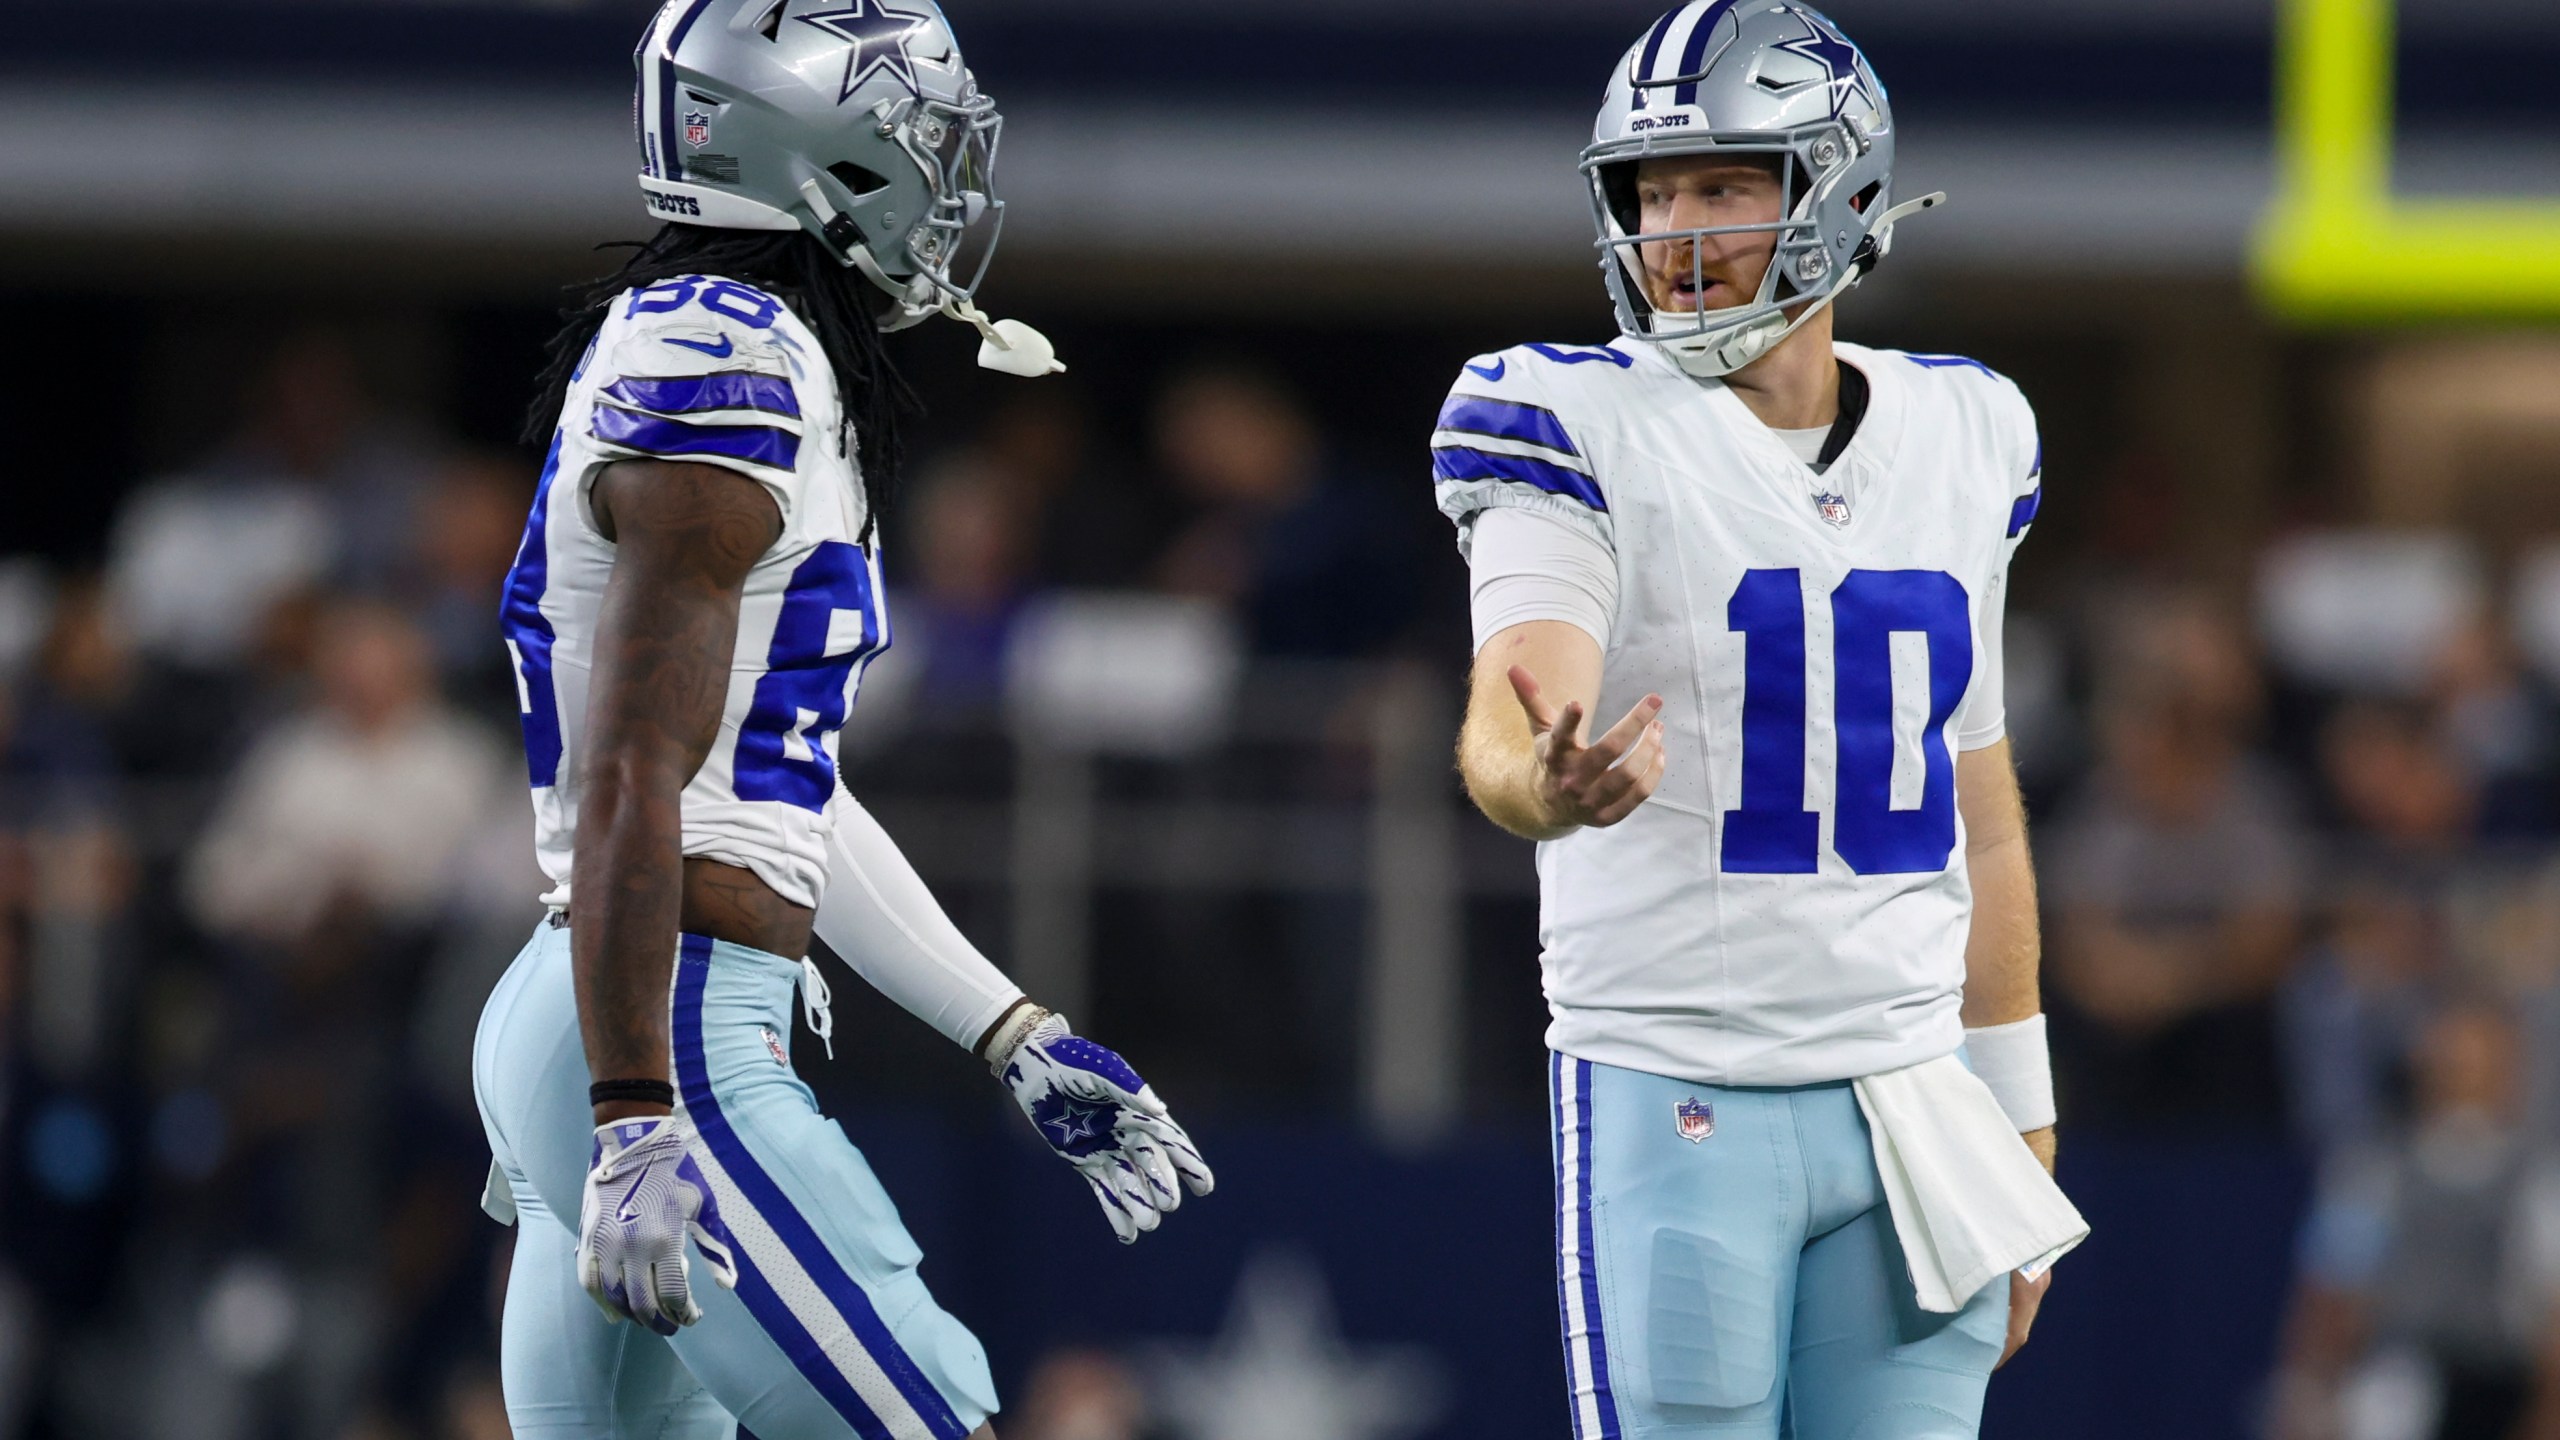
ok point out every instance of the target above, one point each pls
(1803, 1115)
(689, 616)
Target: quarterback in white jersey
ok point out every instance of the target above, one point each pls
(1786, 907)
(689, 615)
(1818, 863)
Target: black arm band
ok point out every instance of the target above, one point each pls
(655, 1092)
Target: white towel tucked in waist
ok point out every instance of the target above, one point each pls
(1970, 1201)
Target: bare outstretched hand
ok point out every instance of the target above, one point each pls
(1599, 783)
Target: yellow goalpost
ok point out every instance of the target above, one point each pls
(2335, 245)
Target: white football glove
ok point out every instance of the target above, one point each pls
(1101, 1118)
(644, 1195)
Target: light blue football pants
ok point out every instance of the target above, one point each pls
(1738, 1275)
(830, 1332)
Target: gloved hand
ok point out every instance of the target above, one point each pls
(1101, 1118)
(644, 1195)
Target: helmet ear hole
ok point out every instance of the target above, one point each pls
(769, 24)
(1618, 185)
(856, 179)
(1864, 198)
(1631, 282)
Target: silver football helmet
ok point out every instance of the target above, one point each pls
(1768, 78)
(855, 120)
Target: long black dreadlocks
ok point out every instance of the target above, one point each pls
(832, 299)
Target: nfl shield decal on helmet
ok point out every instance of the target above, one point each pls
(1696, 1118)
(697, 129)
(1834, 509)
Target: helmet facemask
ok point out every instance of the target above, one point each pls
(937, 260)
(1768, 80)
(1807, 269)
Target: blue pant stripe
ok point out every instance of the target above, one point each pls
(1564, 1312)
(1570, 1082)
(807, 1356)
(1591, 1260)
(693, 969)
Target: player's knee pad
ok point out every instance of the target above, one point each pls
(1711, 1323)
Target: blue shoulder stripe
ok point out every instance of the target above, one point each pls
(1460, 462)
(1948, 362)
(1582, 354)
(2022, 511)
(725, 390)
(1507, 419)
(756, 444)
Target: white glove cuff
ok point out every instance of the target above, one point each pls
(2012, 1060)
(1009, 1036)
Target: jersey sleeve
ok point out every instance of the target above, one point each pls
(1984, 717)
(1501, 441)
(702, 385)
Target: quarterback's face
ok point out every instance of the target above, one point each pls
(1701, 192)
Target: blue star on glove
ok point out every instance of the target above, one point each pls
(1093, 1110)
(1074, 1127)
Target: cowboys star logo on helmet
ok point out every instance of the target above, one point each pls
(879, 35)
(1842, 69)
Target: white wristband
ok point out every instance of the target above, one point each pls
(2012, 1061)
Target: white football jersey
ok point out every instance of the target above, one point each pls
(1791, 905)
(708, 371)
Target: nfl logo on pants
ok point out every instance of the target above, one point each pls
(1696, 1118)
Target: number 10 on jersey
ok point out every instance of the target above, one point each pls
(1772, 833)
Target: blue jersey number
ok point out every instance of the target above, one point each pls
(800, 700)
(1773, 833)
(749, 306)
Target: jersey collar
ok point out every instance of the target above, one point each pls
(1867, 459)
(1871, 451)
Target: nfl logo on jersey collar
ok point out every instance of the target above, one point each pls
(1834, 509)
(1696, 1119)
